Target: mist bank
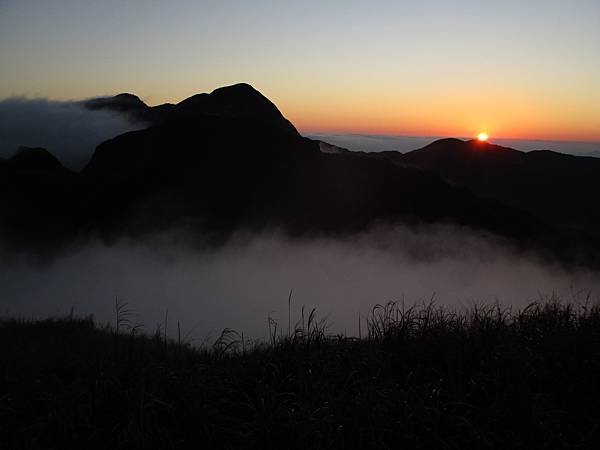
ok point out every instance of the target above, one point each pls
(67, 129)
(248, 280)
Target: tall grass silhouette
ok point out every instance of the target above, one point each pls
(420, 376)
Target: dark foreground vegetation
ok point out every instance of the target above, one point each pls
(418, 378)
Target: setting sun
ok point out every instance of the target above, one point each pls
(482, 136)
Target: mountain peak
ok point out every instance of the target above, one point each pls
(236, 101)
(446, 141)
(453, 145)
(239, 87)
(29, 158)
(124, 102)
(129, 97)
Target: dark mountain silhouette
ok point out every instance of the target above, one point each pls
(132, 106)
(125, 102)
(217, 162)
(232, 159)
(240, 101)
(559, 189)
(35, 159)
(38, 199)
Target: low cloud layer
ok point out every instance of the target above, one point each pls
(67, 129)
(240, 285)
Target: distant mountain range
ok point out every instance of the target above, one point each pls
(404, 144)
(557, 188)
(217, 162)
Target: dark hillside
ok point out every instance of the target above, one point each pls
(559, 189)
(420, 378)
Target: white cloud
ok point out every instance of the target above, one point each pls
(67, 129)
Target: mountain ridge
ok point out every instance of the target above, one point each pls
(227, 160)
(239, 100)
(556, 187)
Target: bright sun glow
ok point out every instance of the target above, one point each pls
(483, 136)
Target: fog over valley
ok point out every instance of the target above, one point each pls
(241, 284)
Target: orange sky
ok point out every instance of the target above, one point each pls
(503, 114)
(516, 69)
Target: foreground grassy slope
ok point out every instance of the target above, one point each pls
(422, 378)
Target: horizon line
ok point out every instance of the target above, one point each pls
(436, 137)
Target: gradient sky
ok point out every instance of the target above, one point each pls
(520, 69)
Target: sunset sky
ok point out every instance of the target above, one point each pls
(517, 69)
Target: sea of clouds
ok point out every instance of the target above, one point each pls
(246, 281)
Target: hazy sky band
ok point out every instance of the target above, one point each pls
(523, 69)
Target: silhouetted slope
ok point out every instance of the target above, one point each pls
(560, 189)
(326, 147)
